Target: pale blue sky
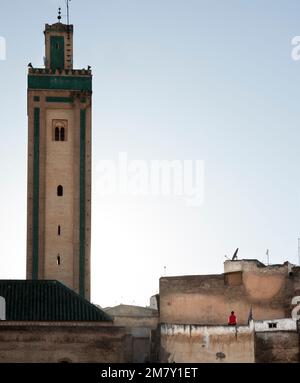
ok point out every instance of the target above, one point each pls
(173, 79)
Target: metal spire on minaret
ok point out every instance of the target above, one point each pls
(59, 15)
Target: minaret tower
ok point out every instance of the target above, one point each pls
(59, 165)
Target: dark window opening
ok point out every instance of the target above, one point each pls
(57, 46)
(272, 325)
(62, 134)
(58, 260)
(58, 230)
(60, 191)
(56, 134)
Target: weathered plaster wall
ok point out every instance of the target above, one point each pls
(206, 344)
(209, 299)
(287, 324)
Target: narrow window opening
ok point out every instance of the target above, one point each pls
(59, 230)
(60, 130)
(57, 46)
(60, 191)
(58, 260)
(272, 325)
(56, 134)
(2, 308)
(62, 134)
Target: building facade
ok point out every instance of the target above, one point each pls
(46, 322)
(245, 286)
(141, 324)
(194, 312)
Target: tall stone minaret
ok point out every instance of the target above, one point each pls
(59, 165)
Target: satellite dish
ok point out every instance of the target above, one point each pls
(234, 257)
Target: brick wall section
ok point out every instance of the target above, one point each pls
(277, 347)
(54, 343)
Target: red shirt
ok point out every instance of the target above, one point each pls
(232, 319)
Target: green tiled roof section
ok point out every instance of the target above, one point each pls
(40, 300)
(60, 82)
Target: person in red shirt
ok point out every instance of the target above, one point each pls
(232, 319)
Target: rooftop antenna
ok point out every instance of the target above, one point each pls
(59, 15)
(234, 257)
(68, 12)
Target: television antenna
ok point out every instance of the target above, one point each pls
(68, 11)
(268, 257)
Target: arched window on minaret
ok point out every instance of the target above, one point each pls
(59, 130)
(60, 191)
(58, 260)
(62, 134)
(57, 133)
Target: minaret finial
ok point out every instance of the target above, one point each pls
(59, 14)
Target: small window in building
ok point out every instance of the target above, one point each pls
(56, 134)
(272, 325)
(58, 230)
(58, 260)
(60, 191)
(62, 134)
(57, 46)
(2, 308)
